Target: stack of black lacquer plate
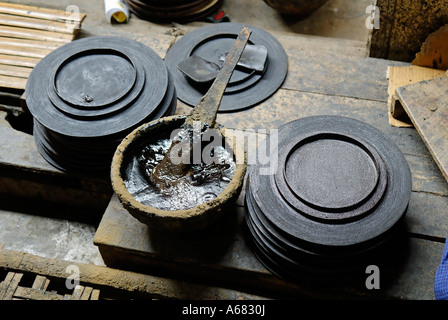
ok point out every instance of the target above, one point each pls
(86, 96)
(337, 194)
(173, 10)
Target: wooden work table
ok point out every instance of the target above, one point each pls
(325, 77)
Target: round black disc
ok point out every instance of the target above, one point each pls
(245, 89)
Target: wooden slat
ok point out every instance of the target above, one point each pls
(86, 293)
(12, 286)
(23, 52)
(23, 33)
(18, 61)
(12, 82)
(33, 294)
(14, 71)
(5, 284)
(41, 13)
(25, 43)
(95, 294)
(39, 24)
(77, 293)
(40, 283)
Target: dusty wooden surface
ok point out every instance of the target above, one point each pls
(404, 26)
(401, 76)
(112, 283)
(426, 103)
(320, 81)
(29, 33)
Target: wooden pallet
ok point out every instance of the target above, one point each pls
(28, 34)
(10, 289)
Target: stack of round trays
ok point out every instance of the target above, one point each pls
(337, 194)
(173, 10)
(86, 96)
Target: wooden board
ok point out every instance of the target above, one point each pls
(33, 277)
(28, 34)
(400, 76)
(222, 256)
(426, 104)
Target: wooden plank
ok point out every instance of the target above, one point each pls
(12, 82)
(14, 71)
(33, 294)
(5, 284)
(12, 286)
(25, 43)
(18, 61)
(400, 76)
(334, 74)
(426, 104)
(118, 283)
(23, 51)
(77, 292)
(95, 295)
(41, 13)
(40, 283)
(222, 253)
(22, 33)
(32, 23)
(86, 293)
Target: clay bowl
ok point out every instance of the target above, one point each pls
(198, 217)
(301, 8)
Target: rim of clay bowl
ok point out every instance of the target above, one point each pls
(175, 219)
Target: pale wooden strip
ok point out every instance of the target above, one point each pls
(33, 23)
(40, 283)
(5, 284)
(12, 82)
(18, 61)
(14, 71)
(77, 293)
(50, 45)
(13, 284)
(41, 13)
(86, 293)
(95, 294)
(23, 52)
(23, 33)
(33, 294)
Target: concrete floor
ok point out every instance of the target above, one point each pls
(33, 231)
